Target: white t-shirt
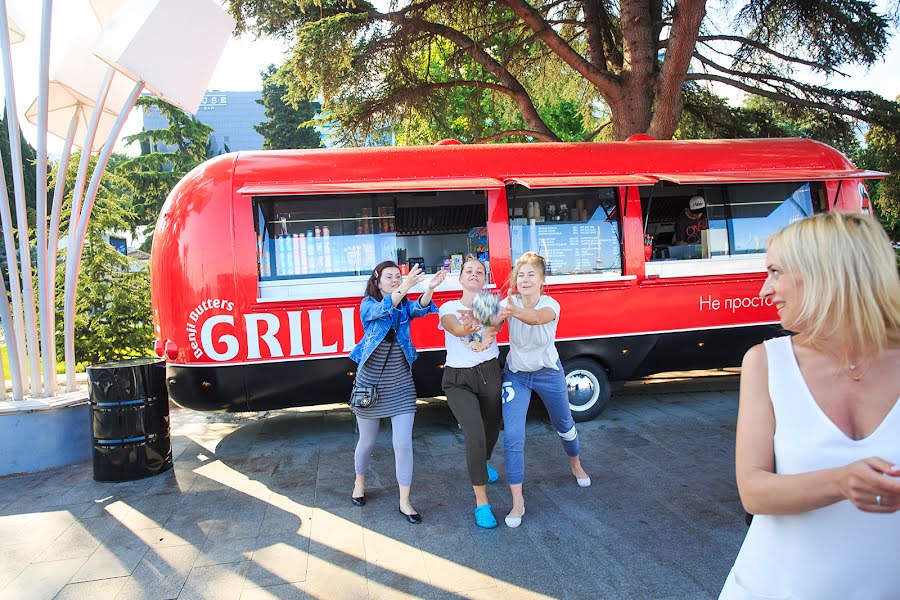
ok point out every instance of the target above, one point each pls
(532, 347)
(462, 352)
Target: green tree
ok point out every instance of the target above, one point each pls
(706, 115)
(287, 121)
(113, 319)
(167, 155)
(628, 60)
(882, 152)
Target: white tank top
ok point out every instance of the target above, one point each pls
(833, 553)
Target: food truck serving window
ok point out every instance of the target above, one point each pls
(576, 229)
(326, 245)
(721, 222)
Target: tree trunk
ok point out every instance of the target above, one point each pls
(632, 113)
(686, 19)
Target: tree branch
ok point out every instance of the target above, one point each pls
(410, 95)
(763, 47)
(606, 84)
(596, 130)
(760, 77)
(832, 108)
(512, 132)
(514, 89)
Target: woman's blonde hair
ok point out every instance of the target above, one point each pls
(528, 258)
(472, 258)
(851, 288)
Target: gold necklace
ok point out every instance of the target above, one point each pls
(856, 372)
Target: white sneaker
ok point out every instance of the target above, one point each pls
(514, 521)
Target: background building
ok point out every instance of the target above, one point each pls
(232, 116)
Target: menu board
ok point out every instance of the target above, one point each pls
(570, 247)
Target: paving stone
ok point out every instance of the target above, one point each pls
(81, 539)
(160, 574)
(41, 581)
(119, 554)
(334, 574)
(218, 552)
(14, 558)
(278, 559)
(103, 589)
(285, 591)
(219, 582)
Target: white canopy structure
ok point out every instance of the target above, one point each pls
(93, 89)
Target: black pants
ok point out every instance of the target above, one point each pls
(474, 397)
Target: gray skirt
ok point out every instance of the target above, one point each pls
(396, 390)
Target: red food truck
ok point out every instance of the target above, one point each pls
(260, 259)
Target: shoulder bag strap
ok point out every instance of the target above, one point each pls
(384, 366)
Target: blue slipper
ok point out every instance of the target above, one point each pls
(493, 475)
(484, 517)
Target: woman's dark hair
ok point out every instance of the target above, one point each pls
(372, 284)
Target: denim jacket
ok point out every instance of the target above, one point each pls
(377, 318)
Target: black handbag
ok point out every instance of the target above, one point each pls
(366, 396)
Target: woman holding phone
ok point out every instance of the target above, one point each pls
(385, 356)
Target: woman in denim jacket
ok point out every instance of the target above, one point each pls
(385, 356)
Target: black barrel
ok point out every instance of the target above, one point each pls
(129, 419)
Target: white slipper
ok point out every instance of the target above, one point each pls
(586, 482)
(514, 521)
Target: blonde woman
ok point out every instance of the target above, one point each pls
(533, 365)
(818, 432)
(471, 381)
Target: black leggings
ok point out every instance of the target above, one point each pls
(474, 397)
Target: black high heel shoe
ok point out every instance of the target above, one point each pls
(414, 518)
(358, 500)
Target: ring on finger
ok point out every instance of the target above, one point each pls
(878, 500)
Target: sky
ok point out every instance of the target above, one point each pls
(244, 58)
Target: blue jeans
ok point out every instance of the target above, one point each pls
(550, 385)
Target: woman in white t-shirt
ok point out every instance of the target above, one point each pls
(533, 365)
(471, 381)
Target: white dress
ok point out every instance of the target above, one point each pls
(833, 553)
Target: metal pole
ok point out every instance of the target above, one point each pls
(15, 374)
(9, 330)
(44, 310)
(33, 349)
(53, 242)
(73, 260)
(83, 164)
(80, 177)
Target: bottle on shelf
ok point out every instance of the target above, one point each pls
(310, 251)
(326, 247)
(304, 264)
(295, 253)
(289, 255)
(320, 263)
(279, 255)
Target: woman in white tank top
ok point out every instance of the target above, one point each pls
(818, 433)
